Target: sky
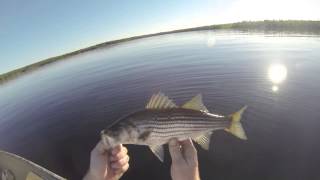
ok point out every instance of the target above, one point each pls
(33, 30)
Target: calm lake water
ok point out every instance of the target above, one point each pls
(53, 116)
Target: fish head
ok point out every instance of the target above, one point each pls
(119, 134)
(109, 138)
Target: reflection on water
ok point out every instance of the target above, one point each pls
(275, 88)
(277, 74)
(211, 39)
(53, 116)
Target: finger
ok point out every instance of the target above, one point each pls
(119, 155)
(189, 151)
(99, 148)
(116, 149)
(120, 163)
(188, 146)
(122, 170)
(175, 152)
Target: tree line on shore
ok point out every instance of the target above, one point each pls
(273, 26)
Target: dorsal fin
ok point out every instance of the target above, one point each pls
(160, 101)
(196, 104)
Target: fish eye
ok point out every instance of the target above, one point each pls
(103, 132)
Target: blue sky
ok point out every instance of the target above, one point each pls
(37, 29)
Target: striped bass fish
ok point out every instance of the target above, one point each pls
(162, 121)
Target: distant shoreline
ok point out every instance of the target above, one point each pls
(286, 26)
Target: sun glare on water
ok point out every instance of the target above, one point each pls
(277, 73)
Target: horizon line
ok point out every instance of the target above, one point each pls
(53, 59)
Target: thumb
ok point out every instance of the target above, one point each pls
(190, 152)
(99, 148)
(175, 152)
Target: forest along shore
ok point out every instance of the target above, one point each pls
(267, 26)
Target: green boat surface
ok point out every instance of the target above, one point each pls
(14, 167)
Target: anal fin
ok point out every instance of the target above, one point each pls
(203, 141)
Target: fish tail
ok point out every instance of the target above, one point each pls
(236, 128)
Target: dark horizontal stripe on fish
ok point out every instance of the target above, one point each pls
(182, 123)
(165, 135)
(158, 134)
(161, 136)
(151, 125)
(191, 119)
(169, 132)
(184, 128)
(194, 116)
(172, 130)
(166, 119)
(187, 118)
(175, 134)
(183, 117)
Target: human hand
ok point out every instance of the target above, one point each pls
(184, 160)
(107, 164)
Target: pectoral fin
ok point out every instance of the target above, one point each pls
(203, 141)
(158, 151)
